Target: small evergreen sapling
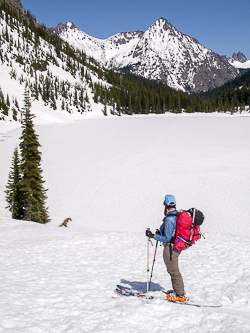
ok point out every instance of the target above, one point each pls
(13, 190)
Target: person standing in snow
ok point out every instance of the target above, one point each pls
(166, 235)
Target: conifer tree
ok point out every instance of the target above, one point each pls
(105, 108)
(4, 109)
(118, 107)
(130, 110)
(178, 103)
(7, 100)
(13, 191)
(146, 105)
(34, 194)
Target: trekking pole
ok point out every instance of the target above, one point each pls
(153, 266)
(191, 231)
(202, 235)
(147, 264)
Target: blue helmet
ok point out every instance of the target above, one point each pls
(170, 200)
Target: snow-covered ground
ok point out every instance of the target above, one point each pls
(110, 176)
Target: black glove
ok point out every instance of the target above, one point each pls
(157, 232)
(149, 234)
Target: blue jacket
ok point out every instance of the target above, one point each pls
(168, 228)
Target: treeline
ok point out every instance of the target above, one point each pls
(134, 94)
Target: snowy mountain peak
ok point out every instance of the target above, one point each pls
(162, 28)
(160, 53)
(164, 25)
(63, 27)
(162, 22)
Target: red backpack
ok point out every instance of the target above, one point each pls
(187, 228)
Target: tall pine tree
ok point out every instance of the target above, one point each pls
(13, 191)
(34, 194)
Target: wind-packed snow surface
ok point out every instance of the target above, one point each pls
(110, 176)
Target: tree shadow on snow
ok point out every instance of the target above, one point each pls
(142, 286)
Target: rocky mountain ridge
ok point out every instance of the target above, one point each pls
(161, 53)
(239, 57)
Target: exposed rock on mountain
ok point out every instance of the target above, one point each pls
(60, 28)
(16, 4)
(239, 57)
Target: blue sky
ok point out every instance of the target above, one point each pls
(220, 25)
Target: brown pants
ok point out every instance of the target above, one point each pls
(173, 268)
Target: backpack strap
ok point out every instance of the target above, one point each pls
(172, 241)
(192, 227)
(172, 214)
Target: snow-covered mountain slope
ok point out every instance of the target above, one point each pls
(161, 53)
(60, 90)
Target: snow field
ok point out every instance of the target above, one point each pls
(116, 173)
(110, 176)
(62, 280)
